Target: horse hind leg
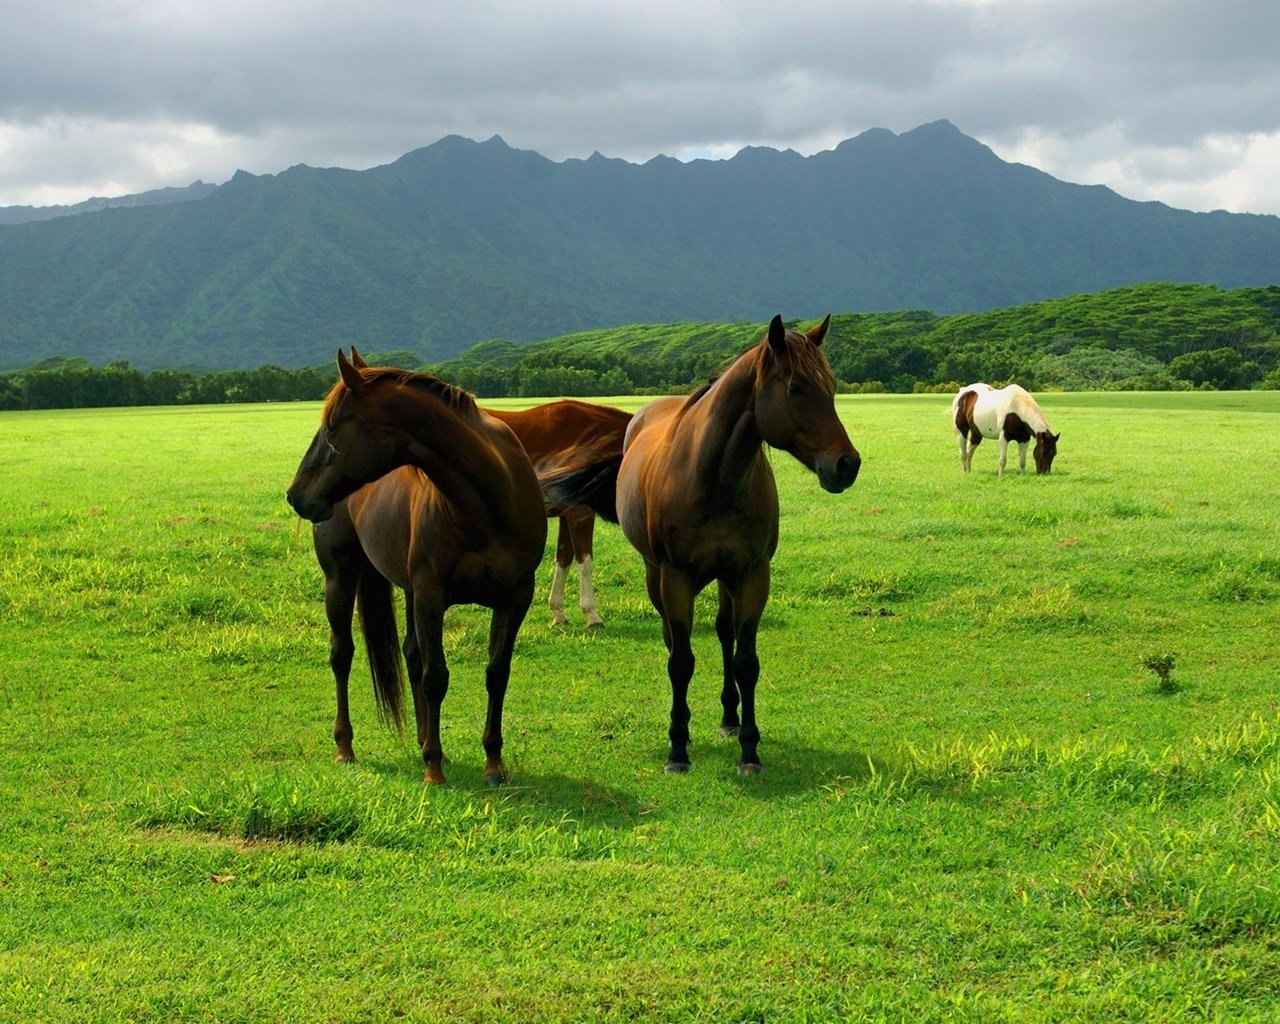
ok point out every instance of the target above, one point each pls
(581, 524)
(503, 628)
(564, 555)
(434, 683)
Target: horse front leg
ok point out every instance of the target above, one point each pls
(339, 606)
(748, 606)
(503, 628)
(342, 560)
(729, 721)
(676, 594)
(429, 628)
(1022, 456)
(1004, 453)
(413, 660)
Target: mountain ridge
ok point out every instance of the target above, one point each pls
(460, 241)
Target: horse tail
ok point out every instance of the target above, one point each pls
(382, 642)
(593, 483)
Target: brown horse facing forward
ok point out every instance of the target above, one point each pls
(696, 497)
(568, 432)
(455, 517)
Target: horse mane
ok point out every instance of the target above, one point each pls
(450, 394)
(802, 359)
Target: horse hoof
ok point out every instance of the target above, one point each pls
(595, 624)
(345, 756)
(729, 730)
(495, 778)
(433, 777)
(746, 768)
(676, 767)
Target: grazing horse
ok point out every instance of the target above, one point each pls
(556, 435)
(1010, 414)
(696, 497)
(452, 514)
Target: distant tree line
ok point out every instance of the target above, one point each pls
(1156, 337)
(72, 383)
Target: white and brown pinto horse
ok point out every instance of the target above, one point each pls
(1009, 414)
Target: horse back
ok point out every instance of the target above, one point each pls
(560, 430)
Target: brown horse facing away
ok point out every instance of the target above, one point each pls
(558, 434)
(696, 497)
(453, 514)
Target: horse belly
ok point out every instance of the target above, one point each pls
(490, 577)
(987, 419)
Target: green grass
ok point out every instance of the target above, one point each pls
(978, 804)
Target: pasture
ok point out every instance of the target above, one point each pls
(977, 804)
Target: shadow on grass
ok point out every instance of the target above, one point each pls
(551, 796)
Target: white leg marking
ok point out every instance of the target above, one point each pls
(557, 597)
(1004, 453)
(586, 594)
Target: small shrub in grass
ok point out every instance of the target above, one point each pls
(1162, 665)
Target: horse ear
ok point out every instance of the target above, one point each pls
(357, 360)
(350, 375)
(777, 335)
(819, 331)
(1056, 436)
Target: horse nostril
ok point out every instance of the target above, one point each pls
(847, 468)
(288, 496)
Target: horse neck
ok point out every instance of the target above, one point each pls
(447, 444)
(1030, 414)
(723, 435)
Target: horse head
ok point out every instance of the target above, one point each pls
(1046, 448)
(795, 406)
(355, 445)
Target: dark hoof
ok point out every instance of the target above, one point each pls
(495, 779)
(676, 767)
(344, 757)
(595, 625)
(729, 730)
(746, 768)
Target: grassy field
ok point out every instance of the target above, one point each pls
(978, 804)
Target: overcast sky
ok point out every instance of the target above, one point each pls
(1160, 99)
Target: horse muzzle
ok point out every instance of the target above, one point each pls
(839, 475)
(312, 509)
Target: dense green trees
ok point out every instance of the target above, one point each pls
(1148, 337)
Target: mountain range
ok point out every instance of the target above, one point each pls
(465, 241)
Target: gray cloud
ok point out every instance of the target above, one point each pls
(1168, 99)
